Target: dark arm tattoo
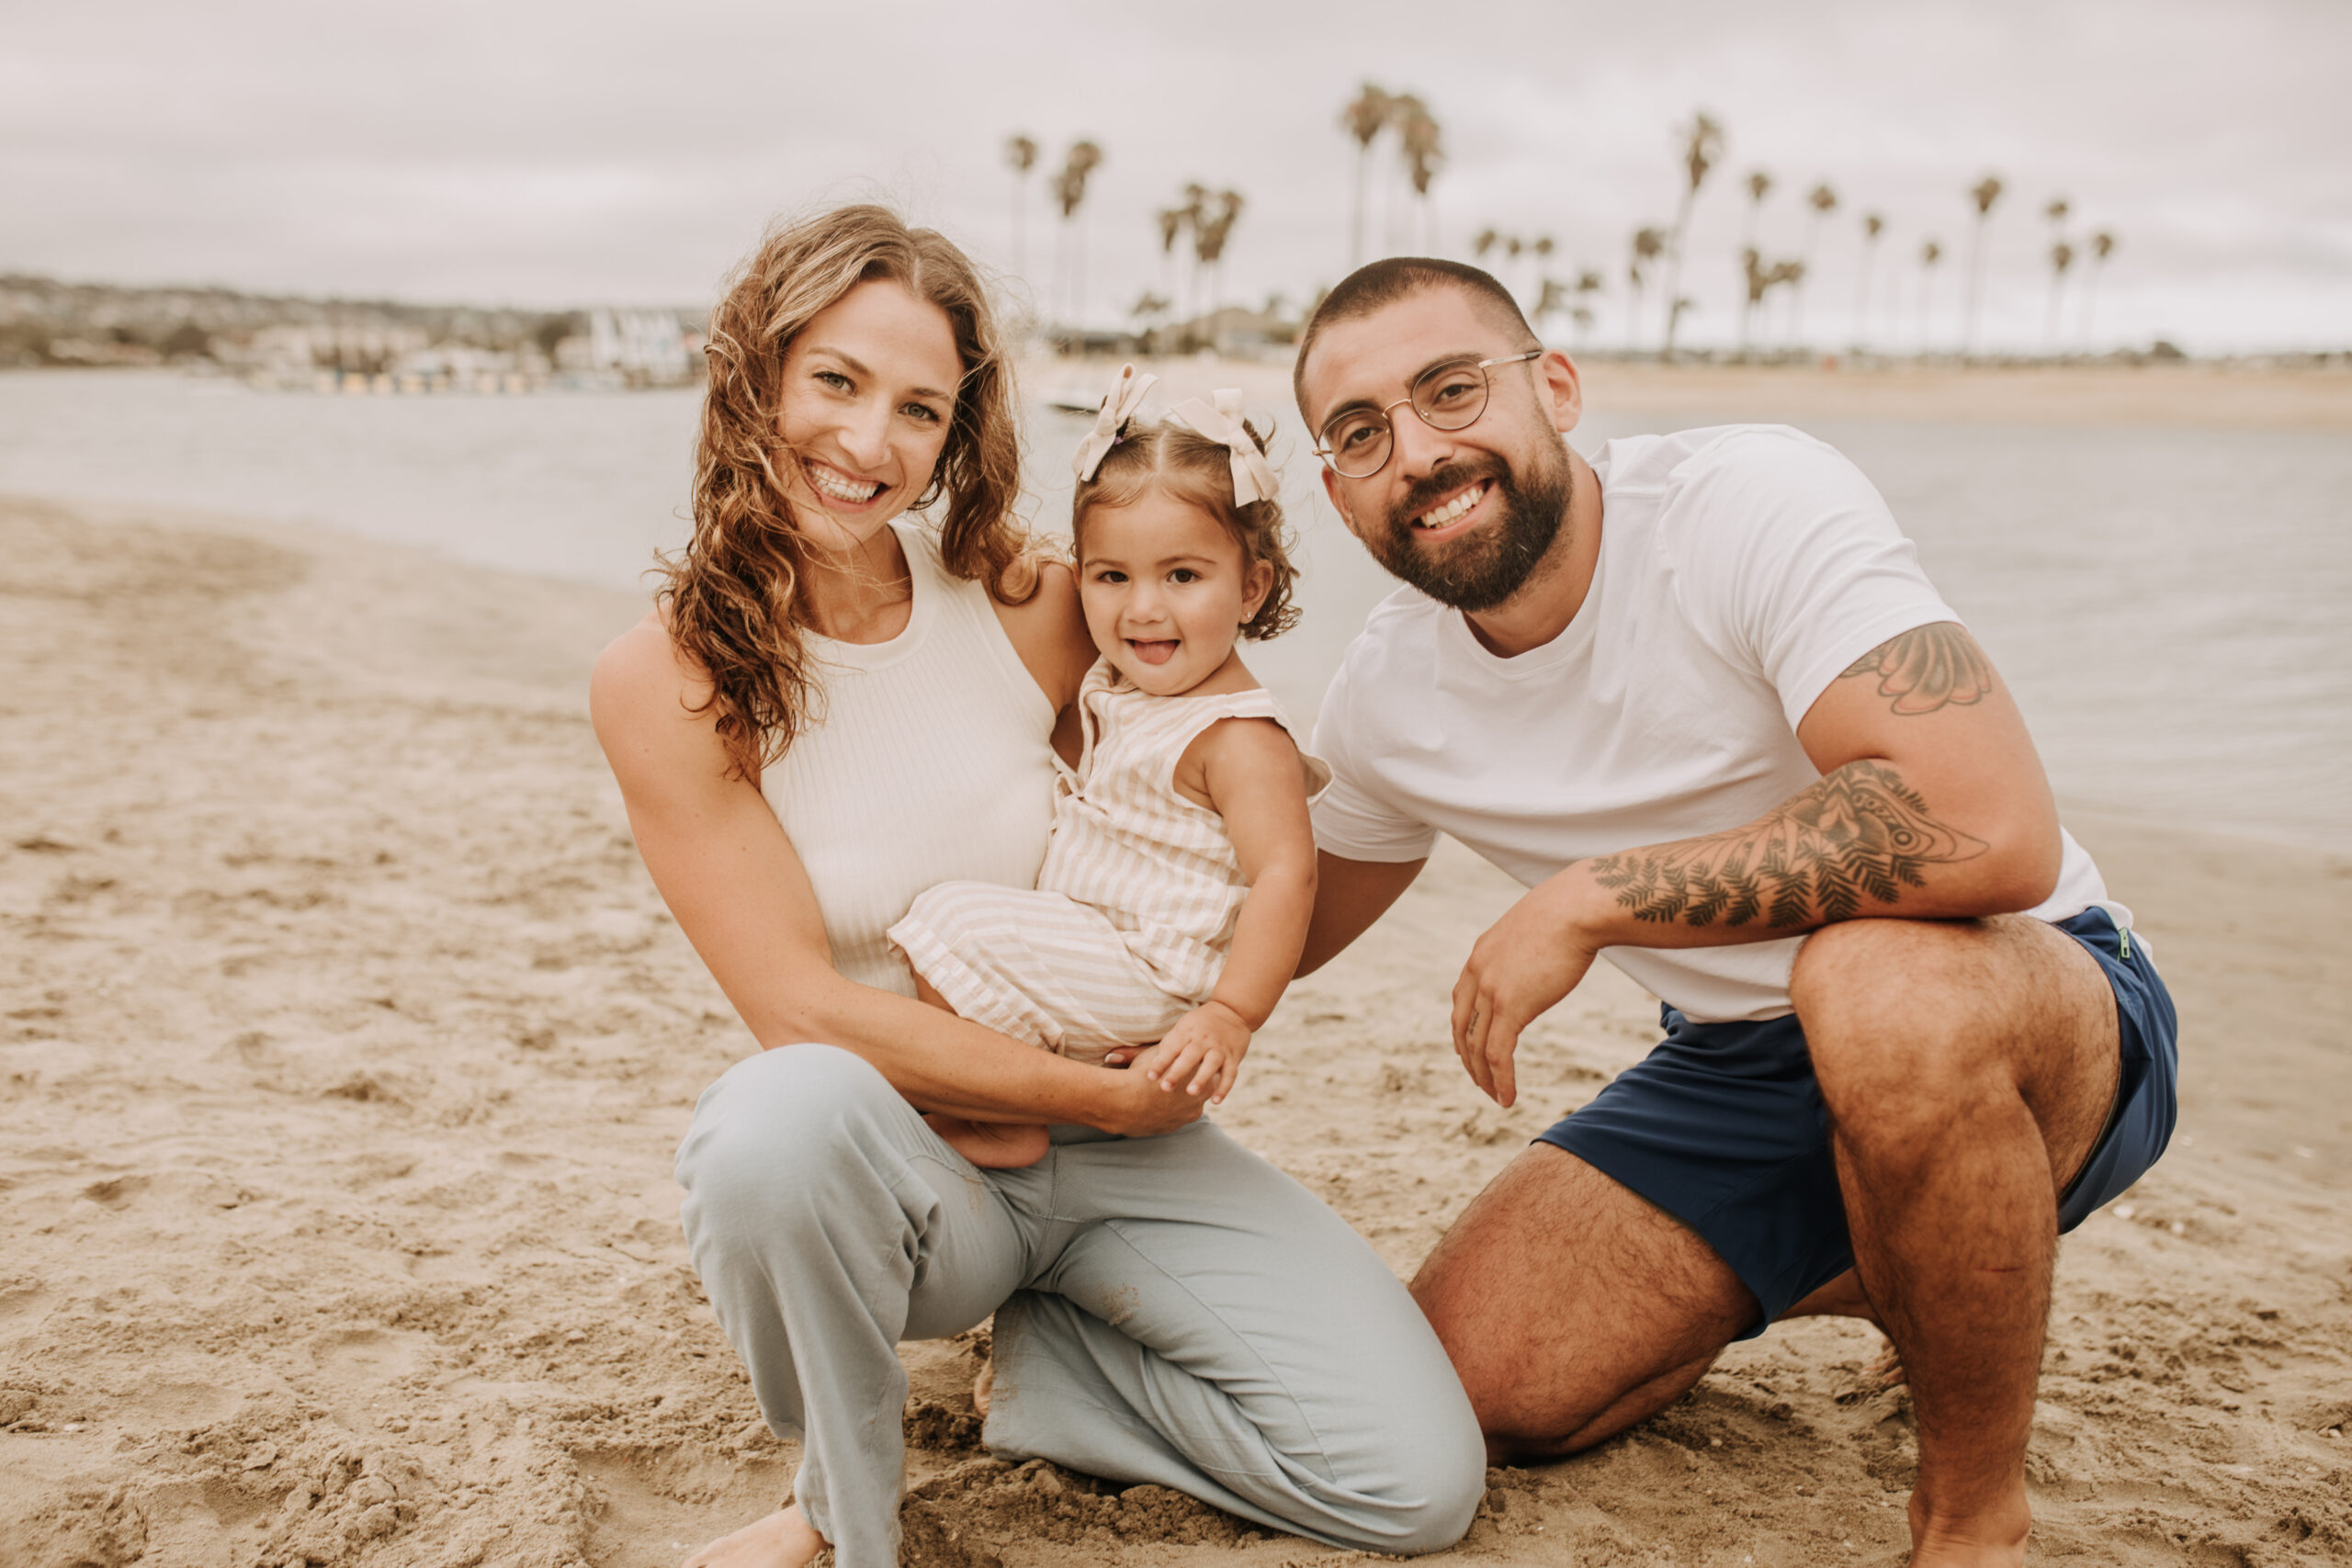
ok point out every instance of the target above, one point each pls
(1859, 832)
(1926, 668)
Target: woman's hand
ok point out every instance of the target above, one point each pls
(1136, 1106)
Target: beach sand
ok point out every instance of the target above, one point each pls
(345, 1044)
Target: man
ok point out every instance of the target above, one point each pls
(1699, 698)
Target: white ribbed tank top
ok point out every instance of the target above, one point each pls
(931, 760)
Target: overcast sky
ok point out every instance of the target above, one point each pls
(517, 152)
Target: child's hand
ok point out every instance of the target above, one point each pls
(1202, 1053)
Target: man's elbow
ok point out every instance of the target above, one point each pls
(2020, 869)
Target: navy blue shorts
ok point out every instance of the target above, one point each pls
(1723, 1127)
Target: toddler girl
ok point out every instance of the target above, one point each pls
(1176, 890)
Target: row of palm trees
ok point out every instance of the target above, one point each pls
(1402, 123)
(1656, 249)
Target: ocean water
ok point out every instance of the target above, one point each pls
(2170, 603)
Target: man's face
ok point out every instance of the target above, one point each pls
(1468, 516)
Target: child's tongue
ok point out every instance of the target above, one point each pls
(1154, 653)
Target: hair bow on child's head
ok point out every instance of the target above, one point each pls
(1253, 477)
(1125, 398)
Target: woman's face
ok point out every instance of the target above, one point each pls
(869, 388)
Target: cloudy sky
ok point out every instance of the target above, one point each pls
(530, 152)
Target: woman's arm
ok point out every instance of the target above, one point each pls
(731, 878)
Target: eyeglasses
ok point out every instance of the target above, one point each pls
(1446, 397)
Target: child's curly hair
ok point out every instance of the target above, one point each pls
(1181, 461)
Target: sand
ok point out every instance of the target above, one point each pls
(344, 1045)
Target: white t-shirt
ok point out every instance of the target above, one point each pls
(1742, 569)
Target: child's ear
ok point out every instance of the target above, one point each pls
(1258, 581)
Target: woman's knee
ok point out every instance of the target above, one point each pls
(779, 1122)
(1438, 1481)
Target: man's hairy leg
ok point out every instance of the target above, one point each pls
(1968, 1067)
(1573, 1308)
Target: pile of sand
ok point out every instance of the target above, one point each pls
(344, 1046)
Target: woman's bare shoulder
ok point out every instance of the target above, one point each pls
(643, 686)
(1049, 630)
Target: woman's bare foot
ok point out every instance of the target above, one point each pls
(983, 1386)
(782, 1540)
(992, 1145)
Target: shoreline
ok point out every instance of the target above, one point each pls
(344, 1046)
(2172, 396)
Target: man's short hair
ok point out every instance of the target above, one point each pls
(1378, 285)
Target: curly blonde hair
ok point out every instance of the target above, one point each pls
(732, 597)
(1175, 460)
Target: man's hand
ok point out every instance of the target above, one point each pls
(1202, 1053)
(1524, 965)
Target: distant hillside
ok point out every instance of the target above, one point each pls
(45, 321)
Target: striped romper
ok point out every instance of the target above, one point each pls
(1127, 927)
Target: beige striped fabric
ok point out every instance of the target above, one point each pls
(1134, 908)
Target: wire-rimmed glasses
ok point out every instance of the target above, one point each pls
(1451, 396)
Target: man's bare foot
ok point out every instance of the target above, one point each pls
(992, 1145)
(1996, 1543)
(983, 1386)
(781, 1539)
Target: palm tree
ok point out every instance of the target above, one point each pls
(1759, 185)
(1366, 116)
(1648, 245)
(1751, 266)
(1930, 254)
(1020, 156)
(1421, 145)
(1702, 145)
(1542, 246)
(1984, 193)
(1552, 301)
(1172, 221)
(1823, 201)
(1069, 190)
(1488, 238)
(2062, 256)
(1873, 226)
(1193, 216)
(2102, 247)
(1210, 231)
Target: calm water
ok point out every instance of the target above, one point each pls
(2169, 604)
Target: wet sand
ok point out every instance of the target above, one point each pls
(344, 1046)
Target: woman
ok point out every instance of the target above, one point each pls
(831, 708)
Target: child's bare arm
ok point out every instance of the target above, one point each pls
(1256, 783)
(1250, 774)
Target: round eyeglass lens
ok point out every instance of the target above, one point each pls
(1358, 443)
(1451, 396)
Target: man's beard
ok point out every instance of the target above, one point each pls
(1480, 569)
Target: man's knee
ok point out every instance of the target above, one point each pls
(1904, 1021)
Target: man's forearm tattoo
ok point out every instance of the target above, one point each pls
(1860, 833)
(1926, 668)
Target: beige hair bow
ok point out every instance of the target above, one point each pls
(1253, 477)
(1125, 398)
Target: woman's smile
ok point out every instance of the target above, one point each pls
(837, 486)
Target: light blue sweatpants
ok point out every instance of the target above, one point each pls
(1171, 1310)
